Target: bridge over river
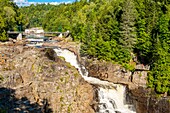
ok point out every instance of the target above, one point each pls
(14, 34)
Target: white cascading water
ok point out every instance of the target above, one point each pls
(111, 96)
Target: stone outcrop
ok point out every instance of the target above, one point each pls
(64, 43)
(146, 101)
(115, 73)
(32, 80)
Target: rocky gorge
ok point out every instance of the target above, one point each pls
(144, 99)
(37, 80)
(32, 81)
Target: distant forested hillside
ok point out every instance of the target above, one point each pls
(115, 30)
(10, 18)
(34, 15)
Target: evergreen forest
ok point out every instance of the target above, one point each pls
(113, 30)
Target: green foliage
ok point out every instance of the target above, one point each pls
(33, 15)
(127, 25)
(9, 18)
(3, 36)
(3, 111)
(1, 78)
(129, 67)
(144, 44)
(160, 76)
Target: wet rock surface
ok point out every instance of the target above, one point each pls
(34, 81)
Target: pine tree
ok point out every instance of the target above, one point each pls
(127, 25)
(143, 44)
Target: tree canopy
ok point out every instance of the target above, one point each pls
(9, 18)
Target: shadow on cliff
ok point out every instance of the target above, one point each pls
(147, 101)
(10, 104)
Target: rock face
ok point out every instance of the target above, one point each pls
(32, 80)
(64, 43)
(115, 73)
(144, 100)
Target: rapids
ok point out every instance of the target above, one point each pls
(111, 97)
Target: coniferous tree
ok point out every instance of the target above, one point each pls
(143, 43)
(127, 25)
(160, 76)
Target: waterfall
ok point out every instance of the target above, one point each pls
(111, 97)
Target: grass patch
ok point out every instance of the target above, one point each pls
(62, 58)
(39, 70)
(61, 79)
(57, 88)
(76, 75)
(61, 99)
(129, 67)
(68, 65)
(69, 109)
(1, 78)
